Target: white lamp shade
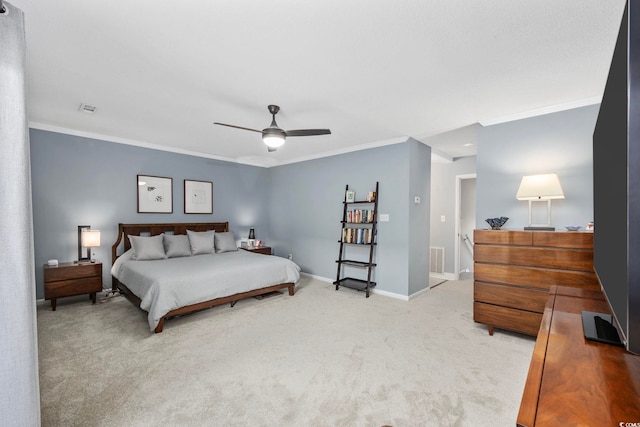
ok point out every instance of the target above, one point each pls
(540, 187)
(273, 141)
(273, 137)
(90, 238)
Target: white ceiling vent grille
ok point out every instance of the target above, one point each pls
(87, 109)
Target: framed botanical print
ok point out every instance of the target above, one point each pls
(350, 197)
(198, 197)
(155, 194)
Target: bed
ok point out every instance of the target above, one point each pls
(164, 289)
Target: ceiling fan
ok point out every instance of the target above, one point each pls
(273, 136)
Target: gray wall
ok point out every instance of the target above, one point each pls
(443, 202)
(82, 181)
(305, 209)
(467, 223)
(294, 208)
(419, 214)
(559, 142)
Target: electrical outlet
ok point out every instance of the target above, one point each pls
(443, 218)
(384, 217)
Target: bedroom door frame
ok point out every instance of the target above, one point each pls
(458, 220)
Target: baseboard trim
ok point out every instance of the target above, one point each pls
(390, 294)
(445, 276)
(313, 276)
(373, 291)
(420, 292)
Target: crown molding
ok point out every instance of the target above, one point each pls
(542, 111)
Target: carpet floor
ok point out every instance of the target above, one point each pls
(318, 358)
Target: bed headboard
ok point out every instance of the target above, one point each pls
(125, 230)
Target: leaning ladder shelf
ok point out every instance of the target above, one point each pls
(358, 231)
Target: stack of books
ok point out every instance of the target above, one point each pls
(361, 236)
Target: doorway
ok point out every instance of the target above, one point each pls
(465, 224)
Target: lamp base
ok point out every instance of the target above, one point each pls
(540, 228)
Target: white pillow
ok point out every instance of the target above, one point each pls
(147, 248)
(225, 242)
(201, 242)
(176, 245)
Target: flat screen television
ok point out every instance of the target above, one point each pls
(616, 184)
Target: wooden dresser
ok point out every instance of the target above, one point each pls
(69, 279)
(514, 270)
(573, 381)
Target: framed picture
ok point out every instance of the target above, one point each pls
(350, 197)
(155, 194)
(198, 197)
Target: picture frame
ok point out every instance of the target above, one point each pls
(198, 197)
(155, 194)
(350, 197)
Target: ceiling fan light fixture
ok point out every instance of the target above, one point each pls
(273, 138)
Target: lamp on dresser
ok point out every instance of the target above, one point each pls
(251, 240)
(89, 239)
(540, 188)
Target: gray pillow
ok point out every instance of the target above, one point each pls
(201, 242)
(225, 242)
(176, 245)
(147, 248)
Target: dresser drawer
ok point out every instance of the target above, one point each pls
(568, 239)
(511, 319)
(65, 288)
(503, 237)
(511, 296)
(534, 277)
(77, 271)
(565, 259)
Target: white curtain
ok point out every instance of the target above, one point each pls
(19, 390)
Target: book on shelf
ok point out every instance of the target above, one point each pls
(360, 216)
(361, 236)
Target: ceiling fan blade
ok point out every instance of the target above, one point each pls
(308, 132)
(237, 127)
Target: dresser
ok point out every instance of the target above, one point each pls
(68, 279)
(514, 270)
(573, 381)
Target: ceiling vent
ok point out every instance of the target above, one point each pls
(87, 109)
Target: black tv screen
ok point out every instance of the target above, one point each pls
(616, 184)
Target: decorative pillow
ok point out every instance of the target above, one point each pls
(176, 245)
(147, 248)
(225, 242)
(201, 242)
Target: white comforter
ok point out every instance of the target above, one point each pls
(164, 285)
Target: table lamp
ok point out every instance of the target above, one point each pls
(540, 188)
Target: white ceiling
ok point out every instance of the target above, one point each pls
(373, 71)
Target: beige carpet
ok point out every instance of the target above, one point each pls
(319, 358)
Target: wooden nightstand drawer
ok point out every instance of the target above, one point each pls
(69, 279)
(67, 288)
(265, 250)
(66, 271)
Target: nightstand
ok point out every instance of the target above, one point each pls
(265, 250)
(69, 279)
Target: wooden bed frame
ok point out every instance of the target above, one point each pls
(125, 230)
